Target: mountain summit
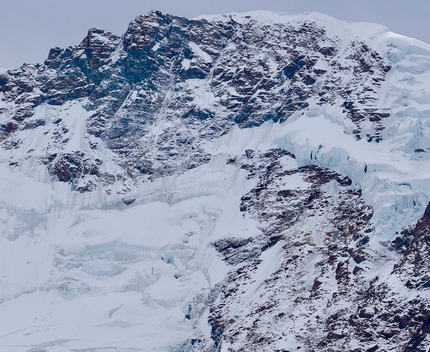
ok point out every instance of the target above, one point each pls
(241, 182)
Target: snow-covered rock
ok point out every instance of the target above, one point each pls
(241, 182)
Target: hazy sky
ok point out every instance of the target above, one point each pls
(29, 28)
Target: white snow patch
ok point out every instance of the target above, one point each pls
(186, 63)
(203, 54)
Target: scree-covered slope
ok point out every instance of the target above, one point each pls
(243, 182)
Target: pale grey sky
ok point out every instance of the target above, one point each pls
(29, 28)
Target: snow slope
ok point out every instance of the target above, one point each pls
(88, 277)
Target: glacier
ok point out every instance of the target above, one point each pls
(121, 262)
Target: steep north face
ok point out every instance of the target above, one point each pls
(242, 182)
(194, 79)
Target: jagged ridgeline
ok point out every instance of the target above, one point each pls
(194, 80)
(244, 182)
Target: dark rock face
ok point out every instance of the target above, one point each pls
(194, 79)
(335, 254)
(322, 295)
(413, 244)
(71, 167)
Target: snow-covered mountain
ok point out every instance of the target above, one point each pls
(242, 182)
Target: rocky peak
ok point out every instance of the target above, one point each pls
(99, 46)
(143, 32)
(195, 79)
